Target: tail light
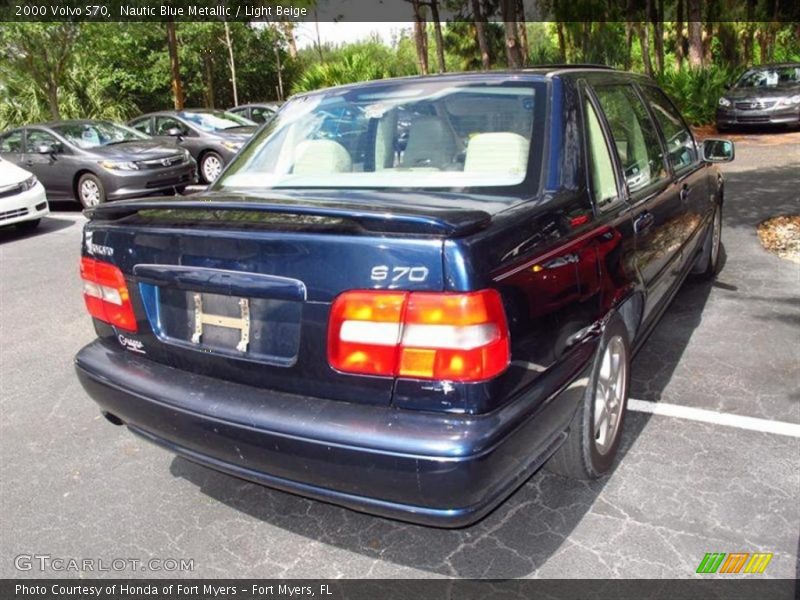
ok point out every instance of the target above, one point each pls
(420, 335)
(106, 294)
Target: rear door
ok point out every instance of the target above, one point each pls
(12, 147)
(690, 173)
(658, 213)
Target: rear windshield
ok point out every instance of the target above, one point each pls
(413, 134)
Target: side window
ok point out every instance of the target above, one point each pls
(143, 126)
(601, 166)
(261, 115)
(681, 148)
(635, 136)
(11, 142)
(164, 124)
(37, 137)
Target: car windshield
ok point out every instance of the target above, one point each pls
(772, 77)
(215, 121)
(98, 133)
(402, 134)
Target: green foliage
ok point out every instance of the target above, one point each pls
(356, 62)
(696, 92)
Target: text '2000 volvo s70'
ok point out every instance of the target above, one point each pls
(406, 296)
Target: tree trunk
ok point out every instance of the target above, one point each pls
(562, 42)
(175, 65)
(209, 78)
(513, 54)
(288, 33)
(629, 13)
(658, 35)
(748, 33)
(280, 72)
(52, 100)
(522, 31)
(231, 63)
(437, 29)
(679, 36)
(643, 29)
(695, 34)
(480, 29)
(708, 40)
(420, 37)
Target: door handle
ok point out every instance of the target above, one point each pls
(643, 222)
(685, 193)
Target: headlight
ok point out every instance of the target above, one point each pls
(233, 145)
(790, 101)
(724, 102)
(29, 183)
(116, 165)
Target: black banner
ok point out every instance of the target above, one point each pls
(373, 10)
(734, 588)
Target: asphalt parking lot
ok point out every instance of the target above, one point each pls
(73, 486)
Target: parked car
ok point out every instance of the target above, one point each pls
(259, 112)
(213, 137)
(410, 333)
(95, 161)
(763, 95)
(23, 201)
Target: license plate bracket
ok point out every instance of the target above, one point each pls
(241, 323)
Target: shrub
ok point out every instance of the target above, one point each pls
(697, 91)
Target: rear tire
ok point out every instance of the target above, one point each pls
(28, 226)
(712, 264)
(210, 167)
(596, 428)
(90, 190)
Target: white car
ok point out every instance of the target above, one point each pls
(23, 201)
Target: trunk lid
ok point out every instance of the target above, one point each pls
(240, 288)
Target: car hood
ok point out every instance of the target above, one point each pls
(762, 93)
(136, 150)
(11, 174)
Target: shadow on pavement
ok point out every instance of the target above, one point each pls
(49, 224)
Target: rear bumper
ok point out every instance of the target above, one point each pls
(430, 468)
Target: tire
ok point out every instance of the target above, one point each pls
(28, 226)
(210, 166)
(589, 452)
(90, 191)
(715, 239)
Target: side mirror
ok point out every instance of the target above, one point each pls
(175, 132)
(44, 148)
(718, 151)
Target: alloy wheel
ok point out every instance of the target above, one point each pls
(609, 394)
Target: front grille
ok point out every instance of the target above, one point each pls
(12, 190)
(161, 163)
(752, 119)
(12, 214)
(754, 105)
(165, 183)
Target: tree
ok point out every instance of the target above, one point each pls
(480, 32)
(679, 39)
(231, 63)
(420, 36)
(175, 66)
(437, 30)
(695, 34)
(43, 51)
(513, 53)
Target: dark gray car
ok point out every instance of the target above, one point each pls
(94, 161)
(764, 95)
(213, 137)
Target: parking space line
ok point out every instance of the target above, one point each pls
(715, 418)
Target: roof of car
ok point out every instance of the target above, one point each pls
(533, 70)
(69, 122)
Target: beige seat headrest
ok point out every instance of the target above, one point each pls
(321, 157)
(501, 152)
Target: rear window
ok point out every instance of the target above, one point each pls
(416, 134)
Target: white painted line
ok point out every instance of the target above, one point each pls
(715, 418)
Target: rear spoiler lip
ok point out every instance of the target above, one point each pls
(410, 219)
